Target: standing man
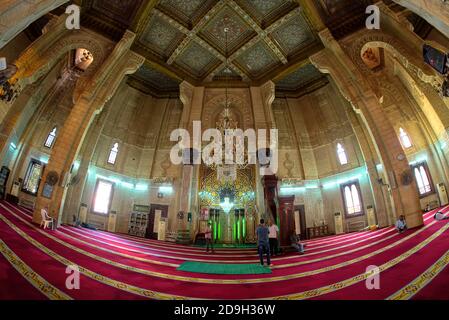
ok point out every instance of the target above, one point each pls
(263, 243)
(273, 238)
(208, 236)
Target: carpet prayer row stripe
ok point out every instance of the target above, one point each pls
(92, 234)
(181, 247)
(33, 278)
(423, 280)
(363, 276)
(317, 260)
(367, 237)
(255, 260)
(89, 273)
(329, 288)
(304, 274)
(403, 273)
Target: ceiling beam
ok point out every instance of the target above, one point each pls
(291, 69)
(312, 13)
(263, 34)
(193, 34)
(143, 15)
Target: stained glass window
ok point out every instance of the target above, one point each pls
(352, 199)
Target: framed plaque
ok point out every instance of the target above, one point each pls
(47, 191)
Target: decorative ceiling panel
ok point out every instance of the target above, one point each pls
(266, 12)
(300, 79)
(187, 12)
(257, 60)
(343, 16)
(293, 35)
(239, 31)
(197, 60)
(160, 37)
(123, 11)
(157, 81)
(186, 38)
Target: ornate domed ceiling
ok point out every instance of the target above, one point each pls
(185, 39)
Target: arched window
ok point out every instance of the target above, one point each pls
(423, 179)
(342, 157)
(352, 199)
(113, 154)
(51, 138)
(405, 139)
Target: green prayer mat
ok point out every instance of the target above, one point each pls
(219, 268)
(229, 246)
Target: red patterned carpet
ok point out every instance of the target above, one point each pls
(33, 264)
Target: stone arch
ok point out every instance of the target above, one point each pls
(398, 49)
(44, 53)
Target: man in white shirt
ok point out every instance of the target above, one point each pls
(401, 224)
(273, 236)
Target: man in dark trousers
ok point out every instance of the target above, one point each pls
(263, 243)
(208, 236)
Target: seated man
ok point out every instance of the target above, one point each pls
(401, 224)
(439, 216)
(296, 242)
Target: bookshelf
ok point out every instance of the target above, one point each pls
(138, 222)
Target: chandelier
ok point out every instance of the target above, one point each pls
(226, 205)
(236, 149)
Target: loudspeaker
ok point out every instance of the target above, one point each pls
(435, 58)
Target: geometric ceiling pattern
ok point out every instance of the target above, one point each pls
(254, 38)
(303, 80)
(149, 80)
(208, 41)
